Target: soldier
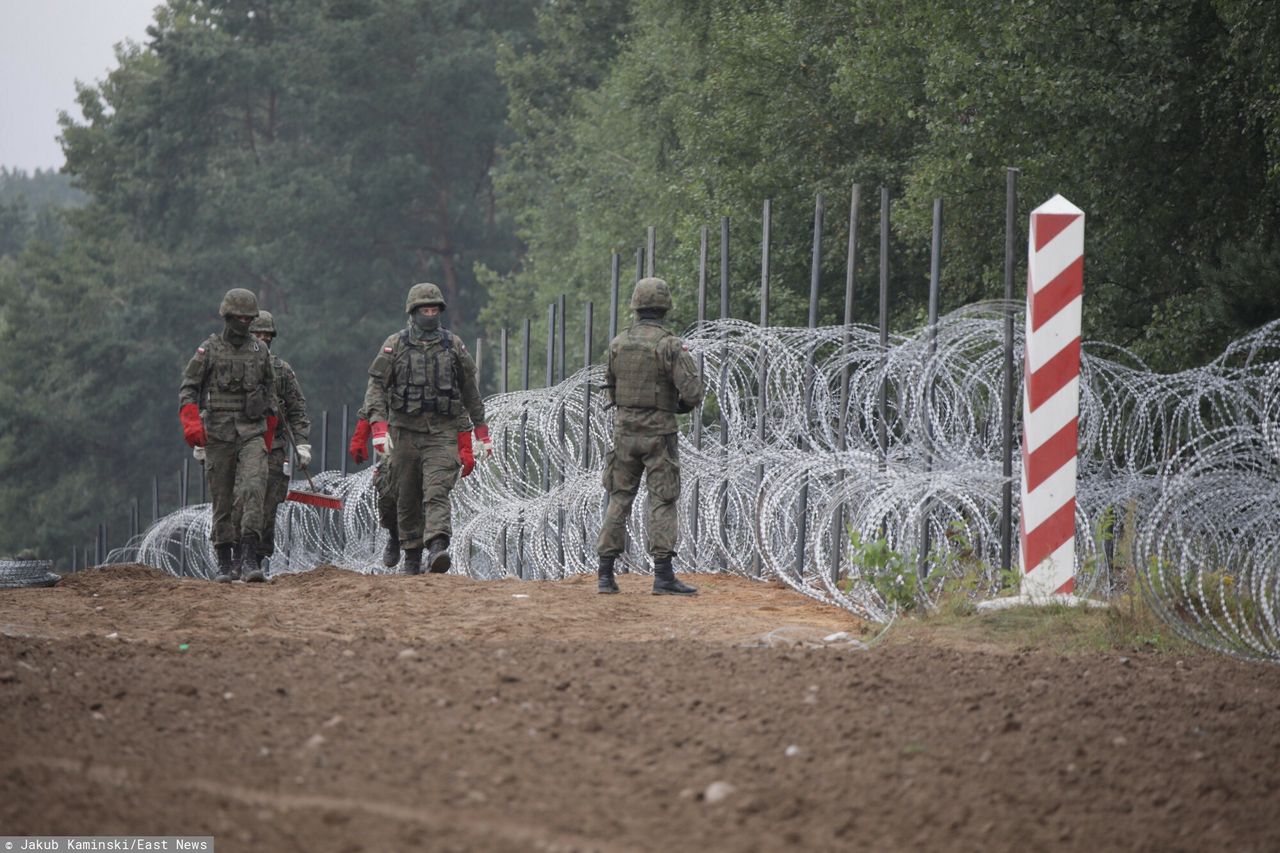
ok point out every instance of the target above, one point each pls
(292, 407)
(382, 484)
(228, 390)
(422, 387)
(650, 378)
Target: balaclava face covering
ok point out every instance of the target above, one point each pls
(237, 330)
(426, 327)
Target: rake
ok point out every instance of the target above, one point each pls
(312, 496)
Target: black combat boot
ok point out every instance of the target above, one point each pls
(605, 584)
(438, 559)
(391, 553)
(250, 564)
(223, 553)
(413, 561)
(235, 561)
(664, 580)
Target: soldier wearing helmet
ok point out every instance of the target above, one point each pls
(650, 379)
(422, 388)
(383, 480)
(292, 407)
(227, 393)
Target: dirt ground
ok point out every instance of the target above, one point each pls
(332, 711)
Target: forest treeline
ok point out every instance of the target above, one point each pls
(329, 153)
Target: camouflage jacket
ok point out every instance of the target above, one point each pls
(424, 385)
(234, 386)
(650, 378)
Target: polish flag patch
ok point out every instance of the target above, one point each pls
(199, 352)
(386, 349)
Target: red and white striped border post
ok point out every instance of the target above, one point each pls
(1051, 398)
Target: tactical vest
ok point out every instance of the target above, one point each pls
(425, 382)
(642, 379)
(234, 374)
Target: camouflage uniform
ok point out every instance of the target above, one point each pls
(291, 407)
(650, 378)
(231, 380)
(423, 385)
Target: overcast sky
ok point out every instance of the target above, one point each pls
(45, 47)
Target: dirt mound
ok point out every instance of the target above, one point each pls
(106, 577)
(335, 711)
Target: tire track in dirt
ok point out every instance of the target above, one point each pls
(477, 828)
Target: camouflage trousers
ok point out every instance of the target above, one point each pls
(277, 489)
(237, 475)
(424, 470)
(384, 485)
(633, 455)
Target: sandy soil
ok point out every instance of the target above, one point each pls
(332, 711)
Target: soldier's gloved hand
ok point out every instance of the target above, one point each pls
(192, 426)
(465, 454)
(381, 440)
(269, 437)
(198, 453)
(304, 454)
(482, 435)
(359, 446)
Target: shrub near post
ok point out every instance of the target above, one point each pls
(1051, 398)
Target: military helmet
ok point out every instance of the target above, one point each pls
(651, 293)
(264, 323)
(424, 293)
(240, 302)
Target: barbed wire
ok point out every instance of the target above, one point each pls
(809, 436)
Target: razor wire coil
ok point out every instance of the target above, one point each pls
(826, 433)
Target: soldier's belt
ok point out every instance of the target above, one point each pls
(431, 406)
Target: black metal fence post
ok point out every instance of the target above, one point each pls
(935, 278)
(615, 270)
(815, 283)
(589, 319)
(882, 415)
(505, 363)
(324, 440)
(723, 497)
(842, 438)
(551, 378)
(1006, 402)
(762, 372)
(697, 413)
(346, 426)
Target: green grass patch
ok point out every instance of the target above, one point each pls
(1128, 625)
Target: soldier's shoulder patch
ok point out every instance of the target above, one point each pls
(200, 352)
(684, 346)
(387, 349)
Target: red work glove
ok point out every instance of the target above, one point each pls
(192, 426)
(381, 441)
(482, 436)
(270, 436)
(464, 453)
(359, 446)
